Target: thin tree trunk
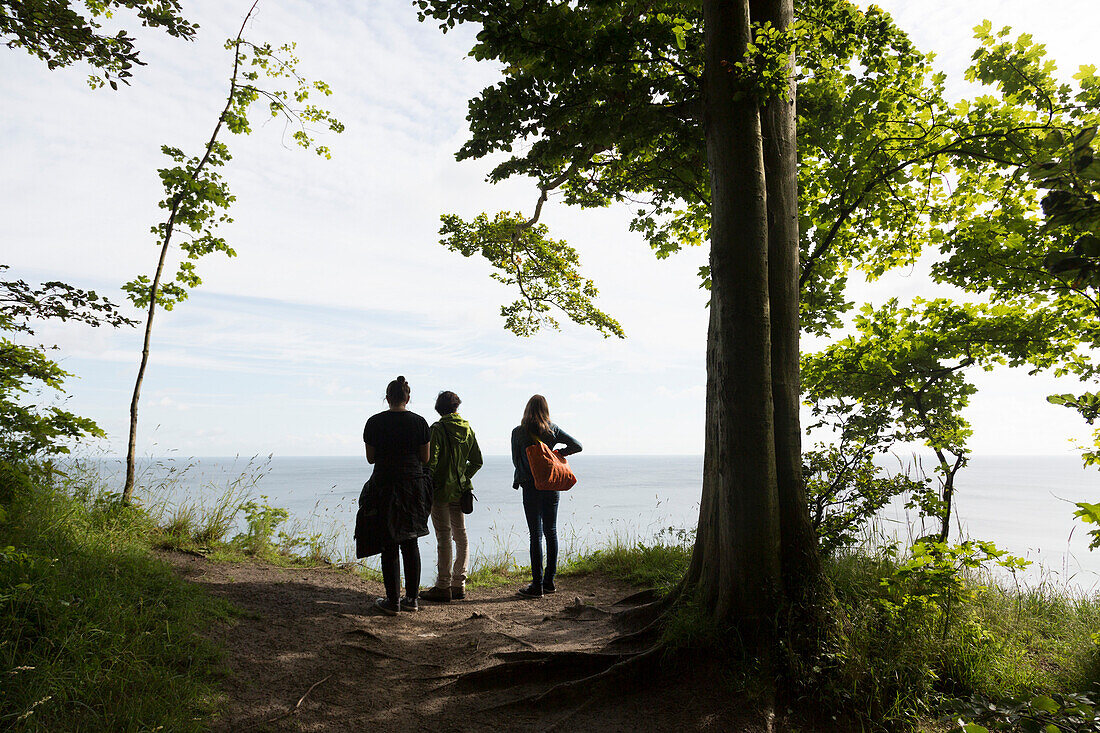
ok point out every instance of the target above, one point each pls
(949, 472)
(131, 445)
(735, 565)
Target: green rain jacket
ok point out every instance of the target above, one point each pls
(455, 457)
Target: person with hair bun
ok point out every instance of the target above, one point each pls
(539, 507)
(396, 501)
(455, 458)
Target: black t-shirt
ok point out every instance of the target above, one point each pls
(396, 435)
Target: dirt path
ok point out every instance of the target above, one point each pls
(316, 631)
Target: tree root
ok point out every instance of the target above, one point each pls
(584, 690)
(487, 617)
(364, 632)
(642, 617)
(387, 655)
(638, 640)
(516, 639)
(560, 722)
(580, 611)
(537, 667)
(649, 595)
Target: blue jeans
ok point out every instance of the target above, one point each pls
(541, 509)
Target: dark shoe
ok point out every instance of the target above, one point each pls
(548, 588)
(386, 606)
(409, 604)
(437, 595)
(531, 591)
(457, 594)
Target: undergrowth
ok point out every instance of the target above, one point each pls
(1002, 642)
(97, 633)
(906, 662)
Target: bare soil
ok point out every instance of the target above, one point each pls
(311, 653)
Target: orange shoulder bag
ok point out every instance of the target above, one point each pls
(549, 468)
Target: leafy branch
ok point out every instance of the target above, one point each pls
(197, 196)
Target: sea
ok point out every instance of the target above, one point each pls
(1024, 504)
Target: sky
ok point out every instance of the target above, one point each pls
(340, 284)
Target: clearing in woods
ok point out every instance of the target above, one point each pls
(312, 654)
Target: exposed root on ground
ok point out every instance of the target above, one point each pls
(572, 680)
(637, 640)
(387, 655)
(638, 618)
(537, 667)
(364, 632)
(581, 691)
(580, 611)
(514, 638)
(578, 679)
(649, 595)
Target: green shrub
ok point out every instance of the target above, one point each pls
(262, 519)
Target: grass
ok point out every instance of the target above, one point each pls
(658, 565)
(1041, 636)
(203, 525)
(97, 633)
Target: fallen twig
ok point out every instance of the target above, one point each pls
(294, 709)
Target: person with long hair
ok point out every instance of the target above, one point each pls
(455, 458)
(397, 499)
(539, 507)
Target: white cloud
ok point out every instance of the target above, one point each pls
(340, 284)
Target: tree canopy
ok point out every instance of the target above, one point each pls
(29, 429)
(63, 32)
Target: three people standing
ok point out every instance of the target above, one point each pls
(421, 472)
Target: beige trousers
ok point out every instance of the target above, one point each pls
(450, 522)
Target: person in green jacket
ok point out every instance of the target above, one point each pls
(455, 458)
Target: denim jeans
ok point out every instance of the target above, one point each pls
(541, 509)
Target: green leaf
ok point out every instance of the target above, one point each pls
(973, 728)
(1083, 138)
(1044, 703)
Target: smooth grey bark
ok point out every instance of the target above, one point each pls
(800, 559)
(735, 569)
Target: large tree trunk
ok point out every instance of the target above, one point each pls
(801, 563)
(735, 569)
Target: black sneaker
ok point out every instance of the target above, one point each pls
(531, 591)
(548, 588)
(386, 606)
(409, 604)
(457, 594)
(436, 594)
